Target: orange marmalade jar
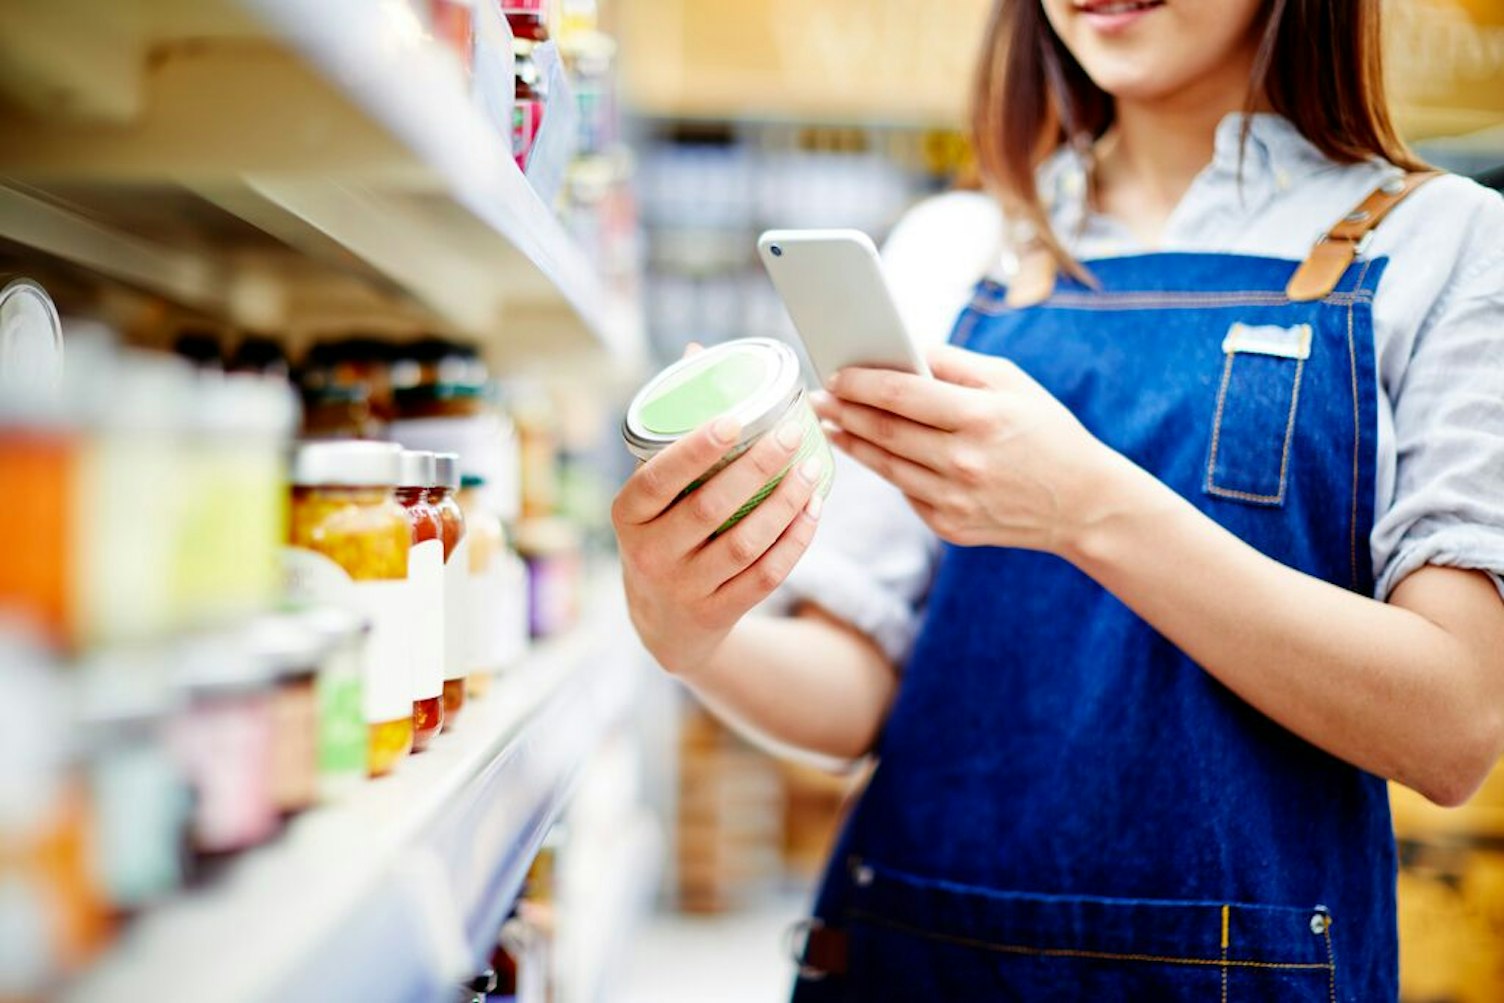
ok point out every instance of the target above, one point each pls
(348, 547)
(456, 581)
(425, 576)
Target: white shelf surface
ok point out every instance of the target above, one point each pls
(396, 893)
(337, 127)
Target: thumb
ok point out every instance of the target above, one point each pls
(971, 369)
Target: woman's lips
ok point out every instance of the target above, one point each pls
(1112, 16)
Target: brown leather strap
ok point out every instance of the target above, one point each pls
(1336, 249)
(823, 951)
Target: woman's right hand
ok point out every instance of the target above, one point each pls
(685, 590)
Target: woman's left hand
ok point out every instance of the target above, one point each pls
(985, 455)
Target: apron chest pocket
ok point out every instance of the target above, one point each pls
(1253, 425)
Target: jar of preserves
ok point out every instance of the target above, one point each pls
(443, 495)
(425, 575)
(349, 545)
(526, 19)
(342, 726)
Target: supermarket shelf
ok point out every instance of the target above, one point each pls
(396, 893)
(337, 128)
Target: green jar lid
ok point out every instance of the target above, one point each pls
(754, 380)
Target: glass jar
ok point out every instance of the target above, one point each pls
(349, 545)
(528, 103)
(456, 578)
(498, 589)
(338, 412)
(341, 720)
(755, 380)
(223, 741)
(425, 575)
(552, 549)
(291, 651)
(526, 19)
(138, 791)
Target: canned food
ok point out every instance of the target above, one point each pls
(757, 381)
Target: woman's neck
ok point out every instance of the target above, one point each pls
(1156, 147)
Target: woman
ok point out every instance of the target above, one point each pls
(1222, 513)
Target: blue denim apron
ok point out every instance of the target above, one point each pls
(1067, 807)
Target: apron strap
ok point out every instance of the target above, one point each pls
(1335, 250)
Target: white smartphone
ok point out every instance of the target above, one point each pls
(831, 282)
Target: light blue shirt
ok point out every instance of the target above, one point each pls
(1438, 328)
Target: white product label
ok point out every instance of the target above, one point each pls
(386, 605)
(498, 613)
(425, 571)
(313, 579)
(456, 612)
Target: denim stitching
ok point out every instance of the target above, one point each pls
(1331, 963)
(1284, 461)
(872, 919)
(1226, 913)
(1352, 363)
(1147, 301)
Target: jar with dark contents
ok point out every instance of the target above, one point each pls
(443, 495)
(425, 575)
(348, 547)
(526, 19)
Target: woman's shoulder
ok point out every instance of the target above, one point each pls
(1445, 239)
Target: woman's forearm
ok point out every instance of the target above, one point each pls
(1412, 690)
(807, 683)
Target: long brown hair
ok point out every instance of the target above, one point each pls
(1318, 64)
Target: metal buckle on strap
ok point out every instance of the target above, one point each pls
(1359, 246)
(816, 950)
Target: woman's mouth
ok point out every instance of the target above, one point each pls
(1115, 15)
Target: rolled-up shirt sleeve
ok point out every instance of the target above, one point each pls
(1448, 506)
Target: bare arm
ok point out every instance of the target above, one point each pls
(808, 682)
(1412, 690)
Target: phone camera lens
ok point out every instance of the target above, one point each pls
(775, 250)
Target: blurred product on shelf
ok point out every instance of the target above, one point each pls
(1451, 895)
(498, 611)
(452, 23)
(730, 813)
(527, 19)
(153, 496)
(529, 99)
(200, 347)
(293, 653)
(261, 356)
(138, 789)
(444, 496)
(341, 716)
(348, 547)
(553, 550)
(425, 576)
(223, 738)
(31, 339)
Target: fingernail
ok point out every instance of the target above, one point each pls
(790, 434)
(724, 429)
(813, 507)
(820, 398)
(810, 469)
